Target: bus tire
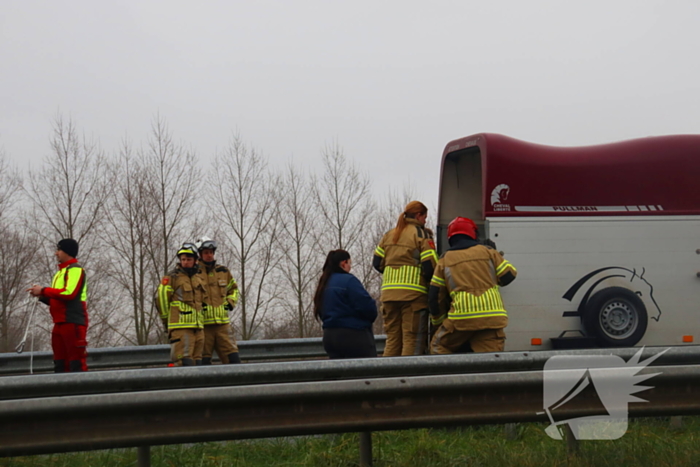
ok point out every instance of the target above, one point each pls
(616, 317)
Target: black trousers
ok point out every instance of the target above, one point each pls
(349, 343)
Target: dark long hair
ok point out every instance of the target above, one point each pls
(332, 264)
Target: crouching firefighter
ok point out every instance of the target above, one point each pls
(464, 298)
(222, 291)
(179, 299)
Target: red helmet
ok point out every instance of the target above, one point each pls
(461, 225)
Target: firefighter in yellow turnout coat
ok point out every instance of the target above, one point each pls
(223, 296)
(179, 299)
(406, 257)
(464, 296)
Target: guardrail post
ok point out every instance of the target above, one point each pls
(511, 430)
(571, 441)
(366, 449)
(676, 423)
(144, 456)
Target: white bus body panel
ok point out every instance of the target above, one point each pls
(658, 255)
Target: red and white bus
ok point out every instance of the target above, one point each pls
(606, 238)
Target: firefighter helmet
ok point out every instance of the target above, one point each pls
(187, 248)
(462, 225)
(205, 243)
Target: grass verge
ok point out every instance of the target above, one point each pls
(648, 442)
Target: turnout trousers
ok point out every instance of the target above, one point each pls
(186, 346)
(406, 327)
(449, 340)
(217, 338)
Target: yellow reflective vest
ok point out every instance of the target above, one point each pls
(179, 299)
(222, 289)
(67, 296)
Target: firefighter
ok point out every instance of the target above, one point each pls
(464, 297)
(180, 296)
(67, 300)
(222, 291)
(406, 257)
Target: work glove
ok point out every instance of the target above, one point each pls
(436, 321)
(227, 306)
(205, 307)
(165, 324)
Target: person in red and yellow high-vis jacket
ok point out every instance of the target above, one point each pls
(67, 300)
(406, 257)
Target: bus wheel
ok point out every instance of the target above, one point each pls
(616, 316)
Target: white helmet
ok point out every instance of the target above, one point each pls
(205, 243)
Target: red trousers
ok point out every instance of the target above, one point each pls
(69, 347)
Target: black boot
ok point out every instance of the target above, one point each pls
(198, 362)
(59, 366)
(75, 366)
(234, 358)
(206, 361)
(187, 362)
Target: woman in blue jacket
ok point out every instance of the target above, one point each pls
(346, 310)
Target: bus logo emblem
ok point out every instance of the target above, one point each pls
(498, 197)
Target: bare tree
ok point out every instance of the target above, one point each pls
(127, 234)
(70, 191)
(246, 207)
(17, 251)
(343, 197)
(302, 259)
(342, 194)
(68, 195)
(172, 178)
(10, 186)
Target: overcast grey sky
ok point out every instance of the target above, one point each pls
(391, 81)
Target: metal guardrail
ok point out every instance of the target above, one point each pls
(188, 415)
(152, 379)
(154, 355)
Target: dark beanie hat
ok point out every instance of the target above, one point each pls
(68, 246)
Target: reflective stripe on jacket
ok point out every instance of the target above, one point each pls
(68, 294)
(466, 305)
(403, 277)
(472, 277)
(179, 300)
(404, 263)
(221, 289)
